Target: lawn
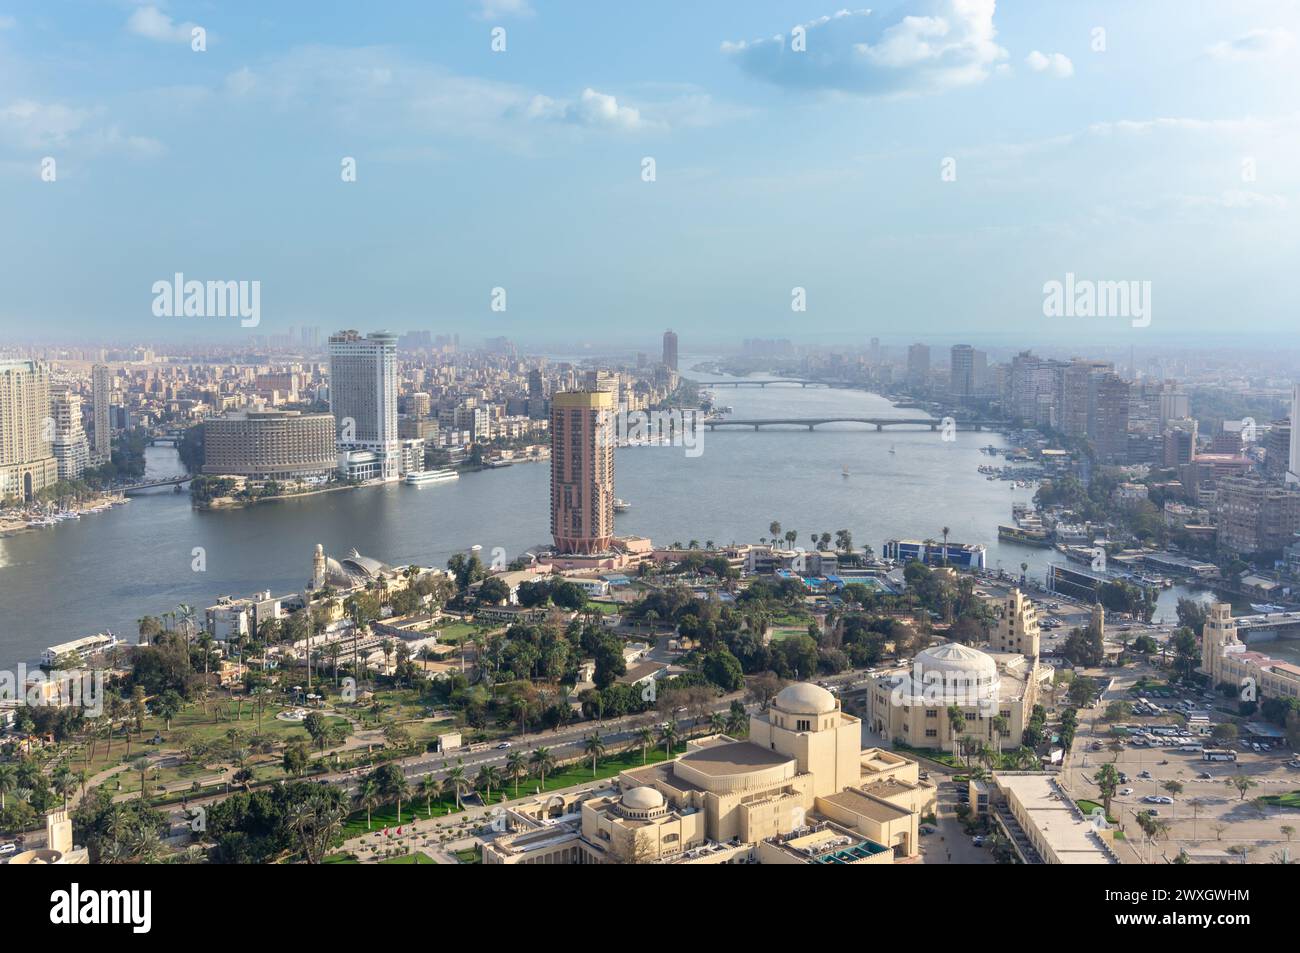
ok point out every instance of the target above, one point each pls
(566, 776)
(1282, 800)
(1089, 806)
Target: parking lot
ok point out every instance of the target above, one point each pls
(1208, 816)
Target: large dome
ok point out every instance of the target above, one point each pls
(643, 798)
(805, 698)
(958, 659)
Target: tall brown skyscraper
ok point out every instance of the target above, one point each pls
(670, 349)
(582, 471)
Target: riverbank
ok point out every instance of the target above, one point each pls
(12, 525)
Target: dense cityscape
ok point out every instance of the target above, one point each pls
(757, 552)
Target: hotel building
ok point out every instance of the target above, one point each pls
(363, 400)
(270, 445)
(27, 463)
(582, 472)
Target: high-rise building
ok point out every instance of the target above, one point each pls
(582, 471)
(363, 398)
(27, 463)
(1079, 395)
(71, 450)
(918, 365)
(1293, 468)
(101, 397)
(1109, 435)
(1277, 449)
(670, 349)
(1255, 515)
(961, 379)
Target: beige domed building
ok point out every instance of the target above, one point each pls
(722, 798)
(910, 705)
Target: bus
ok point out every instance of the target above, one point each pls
(1220, 754)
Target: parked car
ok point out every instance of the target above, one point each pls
(503, 746)
(1125, 792)
(1157, 799)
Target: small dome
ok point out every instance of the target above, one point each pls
(805, 698)
(643, 798)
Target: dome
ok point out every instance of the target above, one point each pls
(805, 698)
(957, 658)
(643, 798)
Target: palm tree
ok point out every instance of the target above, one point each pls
(430, 787)
(645, 737)
(64, 782)
(945, 532)
(595, 747)
(516, 768)
(717, 723)
(737, 723)
(398, 788)
(542, 761)
(456, 781)
(140, 764)
(956, 722)
(488, 777)
(8, 782)
(668, 734)
(1000, 723)
(368, 797)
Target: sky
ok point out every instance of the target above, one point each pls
(920, 170)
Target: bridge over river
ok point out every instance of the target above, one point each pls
(144, 485)
(880, 423)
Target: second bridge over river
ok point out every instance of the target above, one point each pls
(879, 423)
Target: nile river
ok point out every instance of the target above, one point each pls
(105, 571)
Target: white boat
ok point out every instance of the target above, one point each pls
(891, 448)
(621, 505)
(430, 476)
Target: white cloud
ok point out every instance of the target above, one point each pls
(590, 109)
(925, 46)
(35, 126)
(377, 90)
(1254, 44)
(497, 9)
(1058, 64)
(153, 24)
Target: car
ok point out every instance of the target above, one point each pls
(1125, 792)
(1157, 799)
(1206, 776)
(1151, 811)
(1145, 774)
(8, 848)
(927, 829)
(503, 746)
(978, 840)
(1123, 778)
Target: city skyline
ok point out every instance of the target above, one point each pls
(1140, 154)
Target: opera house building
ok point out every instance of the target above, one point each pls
(799, 789)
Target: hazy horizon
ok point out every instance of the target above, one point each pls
(920, 171)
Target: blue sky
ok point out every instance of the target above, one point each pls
(775, 168)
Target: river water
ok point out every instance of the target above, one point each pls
(105, 571)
